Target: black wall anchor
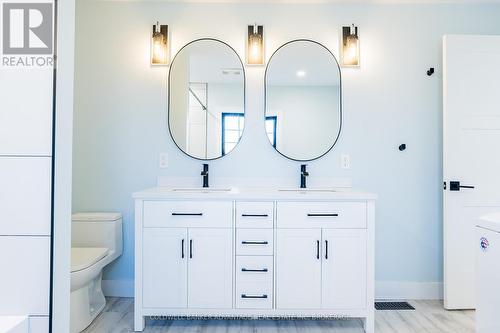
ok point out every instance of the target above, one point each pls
(430, 71)
(402, 146)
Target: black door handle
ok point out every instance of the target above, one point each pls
(326, 249)
(254, 242)
(455, 186)
(253, 296)
(317, 249)
(187, 214)
(182, 249)
(254, 270)
(190, 249)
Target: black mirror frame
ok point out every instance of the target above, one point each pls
(340, 94)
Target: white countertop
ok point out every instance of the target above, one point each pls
(490, 221)
(14, 324)
(252, 194)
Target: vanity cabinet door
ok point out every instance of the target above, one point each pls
(164, 267)
(344, 269)
(298, 268)
(210, 253)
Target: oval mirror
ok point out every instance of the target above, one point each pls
(206, 99)
(303, 100)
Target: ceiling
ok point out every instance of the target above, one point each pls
(323, 1)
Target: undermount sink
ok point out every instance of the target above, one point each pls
(305, 190)
(203, 190)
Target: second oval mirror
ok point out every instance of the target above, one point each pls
(303, 100)
(206, 112)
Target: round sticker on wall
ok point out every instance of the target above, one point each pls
(484, 244)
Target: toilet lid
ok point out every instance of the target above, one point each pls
(83, 257)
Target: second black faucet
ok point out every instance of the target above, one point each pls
(204, 173)
(303, 175)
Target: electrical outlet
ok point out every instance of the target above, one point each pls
(163, 164)
(345, 161)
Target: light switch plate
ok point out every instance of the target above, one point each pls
(163, 164)
(345, 161)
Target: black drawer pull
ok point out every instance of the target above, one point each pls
(253, 296)
(254, 242)
(182, 249)
(322, 215)
(254, 215)
(190, 249)
(254, 270)
(317, 249)
(187, 214)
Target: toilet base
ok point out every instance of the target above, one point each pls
(86, 304)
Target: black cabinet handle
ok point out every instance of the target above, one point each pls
(326, 249)
(317, 249)
(190, 248)
(254, 270)
(254, 242)
(253, 296)
(182, 249)
(187, 214)
(254, 215)
(322, 215)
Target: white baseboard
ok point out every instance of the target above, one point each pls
(398, 290)
(388, 290)
(118, 288)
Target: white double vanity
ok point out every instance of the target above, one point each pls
(254, 253)
(251, 252)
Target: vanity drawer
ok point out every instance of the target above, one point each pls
(321, 215)
(250, 242)
(213, 214)
(254, 214)
(254, 296)
(254, 269)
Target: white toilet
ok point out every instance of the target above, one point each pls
(96, 241)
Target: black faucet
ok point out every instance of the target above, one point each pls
(303, 175)
(204, 173)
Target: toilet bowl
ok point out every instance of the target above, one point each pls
(96, 241)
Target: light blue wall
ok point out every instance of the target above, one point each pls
(120, 111)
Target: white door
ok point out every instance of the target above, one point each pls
(298, 268)
(344, 269)
(210, 268)
(471, 146)
(164, 267)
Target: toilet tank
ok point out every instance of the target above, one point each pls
(97, 230)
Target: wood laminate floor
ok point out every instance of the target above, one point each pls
(428, 317)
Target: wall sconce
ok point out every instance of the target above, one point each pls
(350, 46)
(255, 45)
(160, 46)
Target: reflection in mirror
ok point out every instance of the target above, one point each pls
(303, 100)
(206, 99)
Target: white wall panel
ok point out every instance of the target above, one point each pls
(26, 93)
(25, 195)
(39, 324)
(25, 111)
(24, 281)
